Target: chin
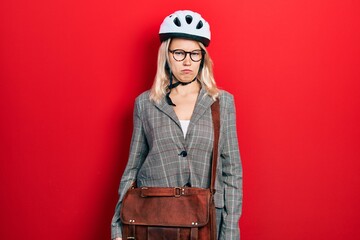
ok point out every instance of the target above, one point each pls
(187, 78)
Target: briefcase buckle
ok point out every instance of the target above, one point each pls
(179, 191)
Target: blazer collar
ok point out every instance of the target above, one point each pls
(203, 102)
(167, 109)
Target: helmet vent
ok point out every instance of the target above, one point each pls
(177, 22)
(199, 25)
(188, 19)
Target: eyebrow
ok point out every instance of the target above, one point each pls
(184, 49)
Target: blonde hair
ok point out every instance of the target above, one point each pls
(161, 81)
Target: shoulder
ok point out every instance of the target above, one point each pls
(142, 100)
(143, 97)
(226, 100)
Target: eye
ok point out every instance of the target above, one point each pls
(179, 53)
(195, 53)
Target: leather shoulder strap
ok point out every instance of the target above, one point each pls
(215, 112)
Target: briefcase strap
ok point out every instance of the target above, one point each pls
(215, 112)
(194, 233)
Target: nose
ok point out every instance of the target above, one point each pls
(187, 60)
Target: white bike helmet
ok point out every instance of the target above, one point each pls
(185, 24)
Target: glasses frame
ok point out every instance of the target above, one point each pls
(186, 53)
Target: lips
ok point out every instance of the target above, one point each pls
(186, 71)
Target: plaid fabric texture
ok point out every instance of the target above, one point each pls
(155, 157)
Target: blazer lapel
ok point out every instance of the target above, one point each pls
(168, 110)
(203, 103)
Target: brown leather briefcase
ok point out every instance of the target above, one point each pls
(169, 214)
(179, 213)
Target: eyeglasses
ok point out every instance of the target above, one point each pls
(179, 55)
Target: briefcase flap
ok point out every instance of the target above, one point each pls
(177, 207)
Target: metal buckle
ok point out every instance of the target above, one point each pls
(177, 192)
(142, 191)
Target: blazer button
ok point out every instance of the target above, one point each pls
(183, 154)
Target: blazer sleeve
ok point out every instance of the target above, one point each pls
(232, 177)
(138, 152)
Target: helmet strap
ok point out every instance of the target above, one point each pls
(171, 86)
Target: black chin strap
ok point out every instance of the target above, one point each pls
(180, 83)
(171, 86)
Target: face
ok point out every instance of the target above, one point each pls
(185, 70)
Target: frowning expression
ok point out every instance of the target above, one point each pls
(185, 59)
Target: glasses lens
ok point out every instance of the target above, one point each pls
(196, 55)
(179, 55)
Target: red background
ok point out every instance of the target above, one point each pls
(70, 71)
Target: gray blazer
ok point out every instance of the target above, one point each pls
(157, 155)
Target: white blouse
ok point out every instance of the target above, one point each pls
(184, 126)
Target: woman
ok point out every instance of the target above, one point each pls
(173, 137)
